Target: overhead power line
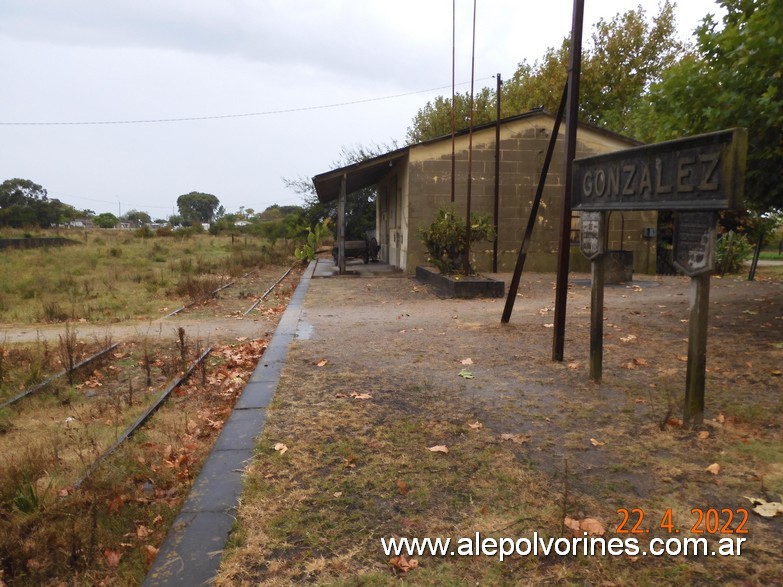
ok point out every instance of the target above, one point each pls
(227, 116)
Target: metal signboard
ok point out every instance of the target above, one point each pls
(703, 172)
(591, 234)
(695, 235)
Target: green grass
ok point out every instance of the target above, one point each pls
(112, 276)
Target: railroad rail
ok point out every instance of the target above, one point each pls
(48, 381)
(144, 417)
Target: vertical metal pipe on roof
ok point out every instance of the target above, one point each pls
(561, 288)
(497, 177)
(453, 93)
(466, 261)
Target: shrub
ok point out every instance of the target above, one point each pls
(310, 248)
(732, 251)
(444, 239)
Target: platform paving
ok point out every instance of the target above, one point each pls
(191, 552)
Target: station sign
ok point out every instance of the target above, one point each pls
(703, 172)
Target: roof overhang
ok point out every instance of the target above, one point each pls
(357, 175)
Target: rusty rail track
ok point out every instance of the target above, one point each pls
(48, 381)
(144, 417)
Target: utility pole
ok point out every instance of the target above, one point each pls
(564, 252)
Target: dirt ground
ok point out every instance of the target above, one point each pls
(57, 531)
(217, 320)
(585, 450)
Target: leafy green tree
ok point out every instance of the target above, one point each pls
(136, 218)
(623, 58)
(25, 203)
(198, 207)
(434, 119)
(105, 220)
(272, 212)
(733, 78)
(21, 192)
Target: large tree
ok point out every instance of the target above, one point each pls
(25, 203)
(198, 206)
(105, 220)
(624, 56)
(733, 78)
(137, 217)
(21, 192)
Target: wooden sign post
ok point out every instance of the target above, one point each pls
(591, 240)
(695, 236)
(696, 177)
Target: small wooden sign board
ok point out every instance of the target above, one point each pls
(696, 177)
(591, 234)
(695, 236)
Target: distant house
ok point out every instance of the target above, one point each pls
(80, 223)
(414, 182)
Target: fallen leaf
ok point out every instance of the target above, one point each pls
(361, 396)
(572, 525)
(467, 361)
(115, 504)
(476, 425)
(776, 372)
(595, 442)
(628, 338)
(766, 509)
(579, 528)
(714, 468)
(112, 557)
(573, 365)
(465, 374)
(704, 435)
(338, 493)
(322, 363)
(150, 552)
(640, 361)
(592, 526)
(402, 563)
(402, 486)
(142, 531)
(438, 448)
(281, 448)
(515, 438)
(682, 357)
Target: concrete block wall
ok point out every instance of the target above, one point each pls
(523, 147)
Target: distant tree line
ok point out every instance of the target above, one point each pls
(24, 203)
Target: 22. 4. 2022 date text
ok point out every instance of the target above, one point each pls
(703, 521)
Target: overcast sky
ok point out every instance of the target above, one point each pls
(308, 76)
